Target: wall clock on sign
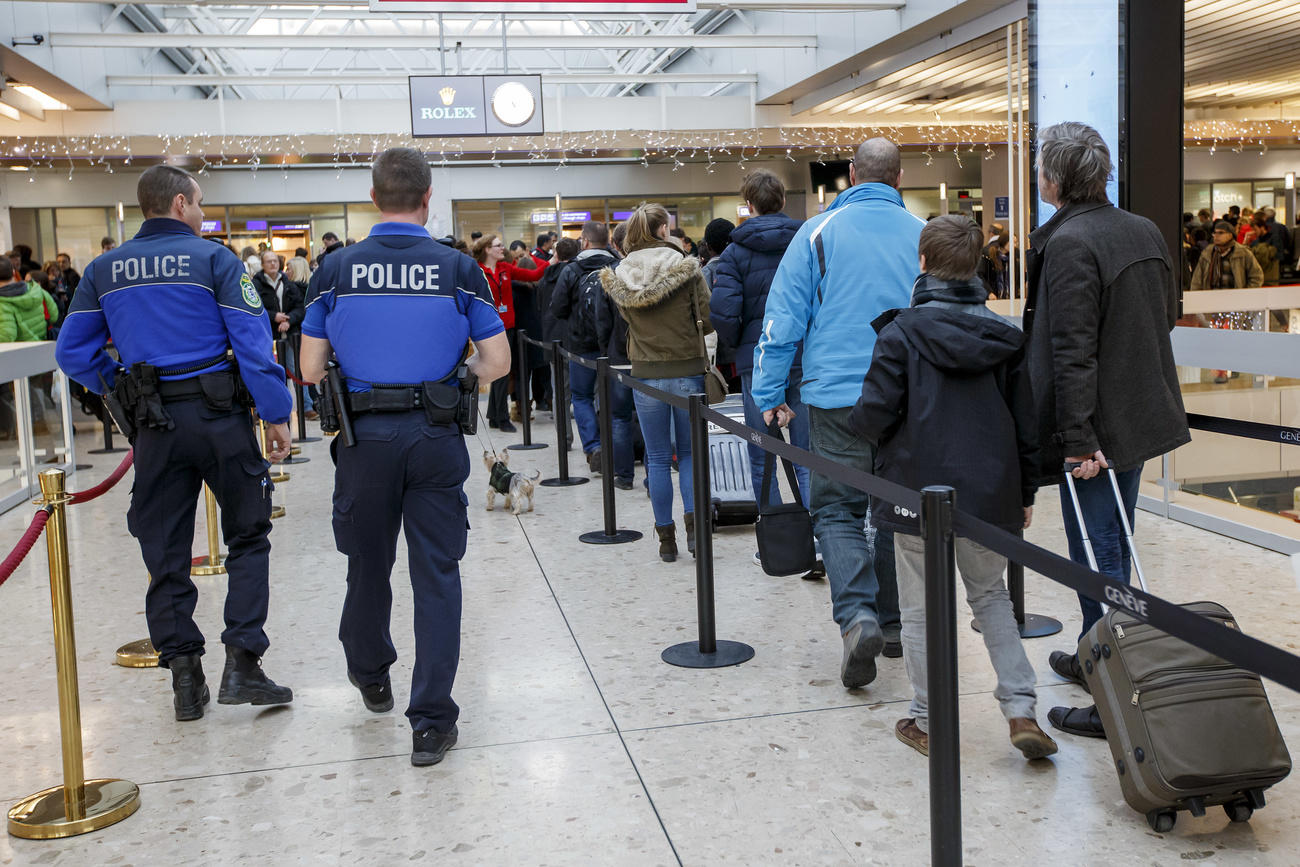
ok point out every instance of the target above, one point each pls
(513, 104)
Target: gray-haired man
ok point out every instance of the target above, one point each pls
(1102, 300)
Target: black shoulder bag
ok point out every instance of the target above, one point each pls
(784, 531)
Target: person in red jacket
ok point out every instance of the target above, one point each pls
(490, 253)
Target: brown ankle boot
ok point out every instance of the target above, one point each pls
(667, 542)
(689, 520)
(1027, 737)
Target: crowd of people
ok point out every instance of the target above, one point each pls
(792, 324)
(906, 374)
(1240, 249)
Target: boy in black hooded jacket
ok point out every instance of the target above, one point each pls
(947, 402)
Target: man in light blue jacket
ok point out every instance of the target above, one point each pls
(844, 268)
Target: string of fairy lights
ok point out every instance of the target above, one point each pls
(207, 152)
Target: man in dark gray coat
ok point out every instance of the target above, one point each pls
(1102, 301)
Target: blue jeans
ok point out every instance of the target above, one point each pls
(623, 409)
(798, 430)
(582, 386)
(859, 590)
(661, 424)
(1097, 501)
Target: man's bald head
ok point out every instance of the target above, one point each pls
(877, 161)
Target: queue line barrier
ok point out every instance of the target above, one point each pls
(941, 523)
(78, 805)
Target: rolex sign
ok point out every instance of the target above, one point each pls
(468, 105)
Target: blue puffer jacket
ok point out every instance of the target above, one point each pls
(744, 273)
(826, 294)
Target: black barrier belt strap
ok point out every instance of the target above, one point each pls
(674, 400)
(1249, 429)
(589, 363)
(865, 482)
(1243, 650)
(545, 347)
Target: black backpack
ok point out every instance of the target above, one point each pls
(582, 324)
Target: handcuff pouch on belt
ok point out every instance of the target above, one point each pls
(139, 393)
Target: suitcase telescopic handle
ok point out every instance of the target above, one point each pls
(1123, 518)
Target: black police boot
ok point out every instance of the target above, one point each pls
(189, 689)
(243, 681)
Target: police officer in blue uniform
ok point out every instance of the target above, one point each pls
(175, 306)
(397, 310)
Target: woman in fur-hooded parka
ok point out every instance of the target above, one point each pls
(665, 301)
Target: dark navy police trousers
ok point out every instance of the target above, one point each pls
(403, 474)
(220, 448)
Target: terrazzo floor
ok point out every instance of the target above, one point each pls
(578, 745)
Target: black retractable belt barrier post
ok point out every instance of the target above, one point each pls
(283, 348)
(295, 343)
(611, 535)
(525, 398)
(937, 505)
(1030, 625)
(560, 409)
(708, 652)
(107, 421)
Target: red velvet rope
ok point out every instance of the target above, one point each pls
(296, 380)
(102, 488)
(24, 544)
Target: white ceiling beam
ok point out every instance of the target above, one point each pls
(276, 41)
(346, 79)
(363, 6)
(22, 102)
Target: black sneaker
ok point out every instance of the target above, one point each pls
(1066, 665)
(862, 644)
(507, 426)
(593, 462)
(893, 648)
(189, 688)
(244, 682)
(429, 746)
(378, 697)
(623, 484)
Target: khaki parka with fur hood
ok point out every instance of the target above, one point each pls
(653, 289)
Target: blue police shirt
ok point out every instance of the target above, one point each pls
(398, 307)
(171, 299)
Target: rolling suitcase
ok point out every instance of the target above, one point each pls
(732, 480)
(1187, 730)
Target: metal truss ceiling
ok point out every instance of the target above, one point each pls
(293, 49)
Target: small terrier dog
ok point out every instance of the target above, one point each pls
(516, 486)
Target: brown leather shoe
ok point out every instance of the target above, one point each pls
(1027, 737)
(910, 733)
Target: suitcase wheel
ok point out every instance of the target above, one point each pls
(1239, 811)
(1162, 821)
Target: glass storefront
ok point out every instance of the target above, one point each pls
(1219, 196)
(524, 219)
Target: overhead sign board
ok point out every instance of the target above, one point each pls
(535, 7)
(467, 105)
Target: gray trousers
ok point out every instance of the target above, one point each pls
(981, 571)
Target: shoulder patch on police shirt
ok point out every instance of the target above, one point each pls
(249, 291)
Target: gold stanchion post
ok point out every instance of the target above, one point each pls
(79, 805)
(211, 565)
(277, 476)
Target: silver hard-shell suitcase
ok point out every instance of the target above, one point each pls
(733, 486)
